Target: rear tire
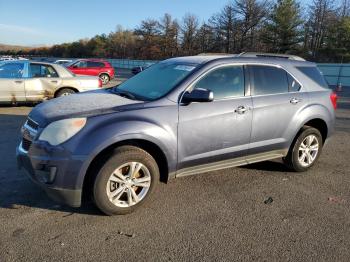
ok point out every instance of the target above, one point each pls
(305, 150)
(125, 181)
(65, 92)
(104, 78)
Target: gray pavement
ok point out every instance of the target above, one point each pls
(217, 216)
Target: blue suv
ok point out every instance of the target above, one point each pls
(179, 117)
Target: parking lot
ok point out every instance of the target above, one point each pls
(214, 216)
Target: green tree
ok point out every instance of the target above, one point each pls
(283, 32)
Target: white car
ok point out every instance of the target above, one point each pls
(63, 61)
(27, 81)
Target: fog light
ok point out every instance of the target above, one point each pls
(47, 176)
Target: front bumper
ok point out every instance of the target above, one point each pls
(49, 169)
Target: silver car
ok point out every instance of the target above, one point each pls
(26, 81)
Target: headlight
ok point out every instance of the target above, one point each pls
(60, 131)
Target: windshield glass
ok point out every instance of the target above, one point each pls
(156, 81)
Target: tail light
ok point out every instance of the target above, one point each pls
(99, 83)
(334, 99)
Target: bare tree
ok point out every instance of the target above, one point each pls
(224, 24)
(170, 36)
(321, 14)
(250, 14)
(189, 29)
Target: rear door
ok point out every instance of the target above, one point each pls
(12, 82)
(94, 68)
(218, 130)
(276, 100)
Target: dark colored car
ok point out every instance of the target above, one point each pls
(137, 69)
(182, 116)
(93, 67)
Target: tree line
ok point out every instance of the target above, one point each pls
(318, 31)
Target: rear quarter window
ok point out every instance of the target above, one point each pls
(314, 74)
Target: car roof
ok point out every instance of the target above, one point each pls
(29, 61)
(248, 58)
(92, 59)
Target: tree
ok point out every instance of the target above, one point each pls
(149, 38)
(321, 18)
(170, 36)
(250, 14)
(224, 25)
(121, 43)
(283, 30)
(205, 39)
(189, 30)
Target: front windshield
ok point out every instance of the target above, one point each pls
(156, 81)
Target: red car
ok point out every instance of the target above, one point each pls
(93, 67)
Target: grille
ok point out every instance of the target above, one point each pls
(32, 124)
(26, 144)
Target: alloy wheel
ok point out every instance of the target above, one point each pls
(308, 150)
(128, 184)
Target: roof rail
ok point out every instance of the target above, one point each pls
(285, 56)
(214, 54)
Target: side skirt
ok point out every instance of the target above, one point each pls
(239, 161)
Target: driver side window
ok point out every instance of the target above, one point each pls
(224, 82)
(81, 64)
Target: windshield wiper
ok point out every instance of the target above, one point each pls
(124, 93)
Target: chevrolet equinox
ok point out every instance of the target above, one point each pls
(179, 117)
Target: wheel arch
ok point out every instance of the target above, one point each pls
(104, 73)
(99, 159)
(65, 87)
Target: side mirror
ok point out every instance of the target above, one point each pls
(75, 66)
(198, 95)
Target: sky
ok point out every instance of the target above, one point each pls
(40, 22)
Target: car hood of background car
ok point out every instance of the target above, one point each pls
(81, 105)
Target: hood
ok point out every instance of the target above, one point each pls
(80, 105)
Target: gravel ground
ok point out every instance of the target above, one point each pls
(214, 216)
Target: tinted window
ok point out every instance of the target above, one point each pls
(224, 82)
(11, 70)
(38, 70)
(95, 64)
(80, 64)
(294, 86)
(156, 81)
(268, 80)
(314, 74)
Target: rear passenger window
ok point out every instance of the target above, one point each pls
(294, 86)
(224, 82)
(94, 64)
(40, 70)
(268, 80)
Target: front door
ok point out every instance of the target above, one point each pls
(220, 130)
(12, 82)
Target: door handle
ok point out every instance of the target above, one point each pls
(295, 100)
(241, 110)
(18, 82)
(54, 81)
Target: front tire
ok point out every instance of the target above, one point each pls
(125, 181)
(305, 150)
